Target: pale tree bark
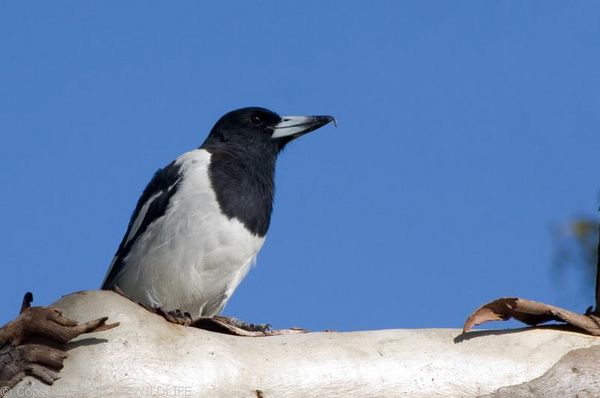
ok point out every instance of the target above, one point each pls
(146, 356)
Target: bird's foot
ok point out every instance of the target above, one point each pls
(236, 327)
(246, 326)
(34, 343)
(177, 317)
(220, 324)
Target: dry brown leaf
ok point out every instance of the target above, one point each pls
(217, 324)
(531, 313)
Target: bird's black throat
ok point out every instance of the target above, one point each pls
(243, 181)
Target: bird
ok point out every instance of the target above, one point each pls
(201, 220)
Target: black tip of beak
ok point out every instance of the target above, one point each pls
(326, 119)
(320, 121)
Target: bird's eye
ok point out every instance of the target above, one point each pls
(256, 119)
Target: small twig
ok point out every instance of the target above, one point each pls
(27, 300)
(597, 309)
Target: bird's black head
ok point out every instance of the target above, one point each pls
(253, 129)
(244, 145)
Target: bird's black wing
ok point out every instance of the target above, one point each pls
(152, 205)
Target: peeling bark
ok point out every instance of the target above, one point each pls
(34, 343)
(531, 313)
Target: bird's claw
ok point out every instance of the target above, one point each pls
(177, 317)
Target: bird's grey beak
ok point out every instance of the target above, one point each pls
(295, 126)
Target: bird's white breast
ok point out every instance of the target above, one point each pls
(193, 257)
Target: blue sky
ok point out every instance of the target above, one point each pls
(467, 130)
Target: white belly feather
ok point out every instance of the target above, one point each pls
(193, 257)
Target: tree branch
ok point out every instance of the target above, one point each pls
(148, 356)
